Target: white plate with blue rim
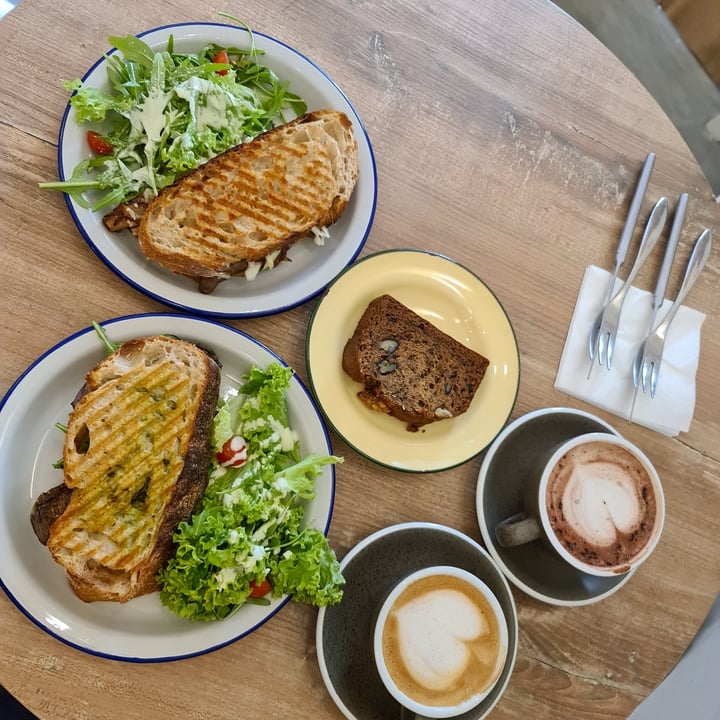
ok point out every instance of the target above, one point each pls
(312, 266)
(141, 630)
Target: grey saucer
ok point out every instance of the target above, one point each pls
(522, 447)
(344, 631)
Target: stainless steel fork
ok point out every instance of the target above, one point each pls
(660, 286)
(649, 356)
(622, 248)
(608, 320)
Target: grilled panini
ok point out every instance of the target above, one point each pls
(240, 212)
(135, 464)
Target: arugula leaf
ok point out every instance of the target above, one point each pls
(134, 49)
(168, 112)
(110, 346)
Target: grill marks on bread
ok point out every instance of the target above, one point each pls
(252, 202)
(409, 368)
(135, 459)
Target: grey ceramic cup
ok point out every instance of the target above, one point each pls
(533, 523)
(509, 463)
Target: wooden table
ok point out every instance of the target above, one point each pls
(506, 137)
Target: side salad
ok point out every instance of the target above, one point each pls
(247, 540)
(168, 112)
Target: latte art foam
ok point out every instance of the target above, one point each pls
(441, 641)
(433, 635)
(601, 504)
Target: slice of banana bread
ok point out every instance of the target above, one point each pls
(408, 367)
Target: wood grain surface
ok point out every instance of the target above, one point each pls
(505, 137)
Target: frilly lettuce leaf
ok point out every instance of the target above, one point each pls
(250, 523)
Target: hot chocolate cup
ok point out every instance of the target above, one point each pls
(597, 501)
(438, 632)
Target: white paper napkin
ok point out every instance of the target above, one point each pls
(671, 410)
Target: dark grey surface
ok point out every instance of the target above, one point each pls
(11, 709)
(640, 34)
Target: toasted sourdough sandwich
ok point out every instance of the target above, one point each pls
(410, 368)
(135, 463)
(241, 211)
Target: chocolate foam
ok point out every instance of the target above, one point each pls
(601, 504)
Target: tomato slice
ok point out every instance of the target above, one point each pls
(97, 144)
(258, 590)
(233, 452)
(222, 57)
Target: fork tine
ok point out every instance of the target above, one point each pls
(654, 372)
(638, 362)
(698, 258)
(601, 348)
(610, 349)
(644, 375)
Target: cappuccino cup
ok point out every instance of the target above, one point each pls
(440, 641)
(597, 501)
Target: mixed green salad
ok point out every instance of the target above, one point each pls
(247, 539)
(168, 112)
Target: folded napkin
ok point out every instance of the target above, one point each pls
(670, 411)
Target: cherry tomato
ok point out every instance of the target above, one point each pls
(258, 590)
(222, 57)
(97, 144)
(233, 452)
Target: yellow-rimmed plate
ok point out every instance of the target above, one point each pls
(456, 301)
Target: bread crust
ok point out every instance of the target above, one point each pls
(250, 204)
(124, 501)
(409, 368)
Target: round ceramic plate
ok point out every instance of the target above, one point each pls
(142, 629)
(453, 299)
(522, 447)
(344, 631)
(291, 283)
